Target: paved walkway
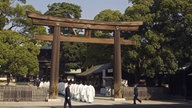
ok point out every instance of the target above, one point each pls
(100, 102)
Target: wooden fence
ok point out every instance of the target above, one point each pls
(22, 93)
(146, 93)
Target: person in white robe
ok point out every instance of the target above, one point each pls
(80, 92)
(75, 91)
(90, 93)
(41, 84)
(46, 84)
(72, 90)
(84, 94)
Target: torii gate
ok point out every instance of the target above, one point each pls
(88, 25)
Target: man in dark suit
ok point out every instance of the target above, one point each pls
(136, 94)
(67, 96)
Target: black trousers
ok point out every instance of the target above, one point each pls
(136, 98)
(67, 101)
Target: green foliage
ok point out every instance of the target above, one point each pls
(163, 42)
(14, 17)
(148, 56)
(140, 11)
(72, 54)
(66, 10)
(100, 54)
(4, 11)
(109, 15)
(22, 1)
(18, 55)
(24, 24)
(174, 20)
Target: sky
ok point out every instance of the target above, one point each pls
(90, 8)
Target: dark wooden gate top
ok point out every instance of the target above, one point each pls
(82, 23)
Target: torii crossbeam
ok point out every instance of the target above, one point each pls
(88, 25)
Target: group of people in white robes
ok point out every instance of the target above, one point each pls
(80, 92)
(44, 84)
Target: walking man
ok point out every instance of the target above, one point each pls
(67, 96)
(136, 94)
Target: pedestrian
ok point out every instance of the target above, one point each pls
(8, 79)
(136, 94)
(67, 96)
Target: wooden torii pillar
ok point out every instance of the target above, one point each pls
(88, 25)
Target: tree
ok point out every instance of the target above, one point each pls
(66, 10)
(19, 50)
(156, 53)
(174, 19)
(148, 58)
(100, 54)
(15, 18)
(72, 54)
(17, 54)
(109, 15)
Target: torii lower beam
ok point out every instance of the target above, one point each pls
(85, 39)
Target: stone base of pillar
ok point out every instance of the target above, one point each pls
(119, 99)
(54, 100)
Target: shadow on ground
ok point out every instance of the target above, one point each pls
(129, 106)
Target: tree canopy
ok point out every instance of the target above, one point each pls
(72, 54)
(109, 15)
(13, 17)
(163, 42)
(101, 54)
(18, 55)
(19, 50)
